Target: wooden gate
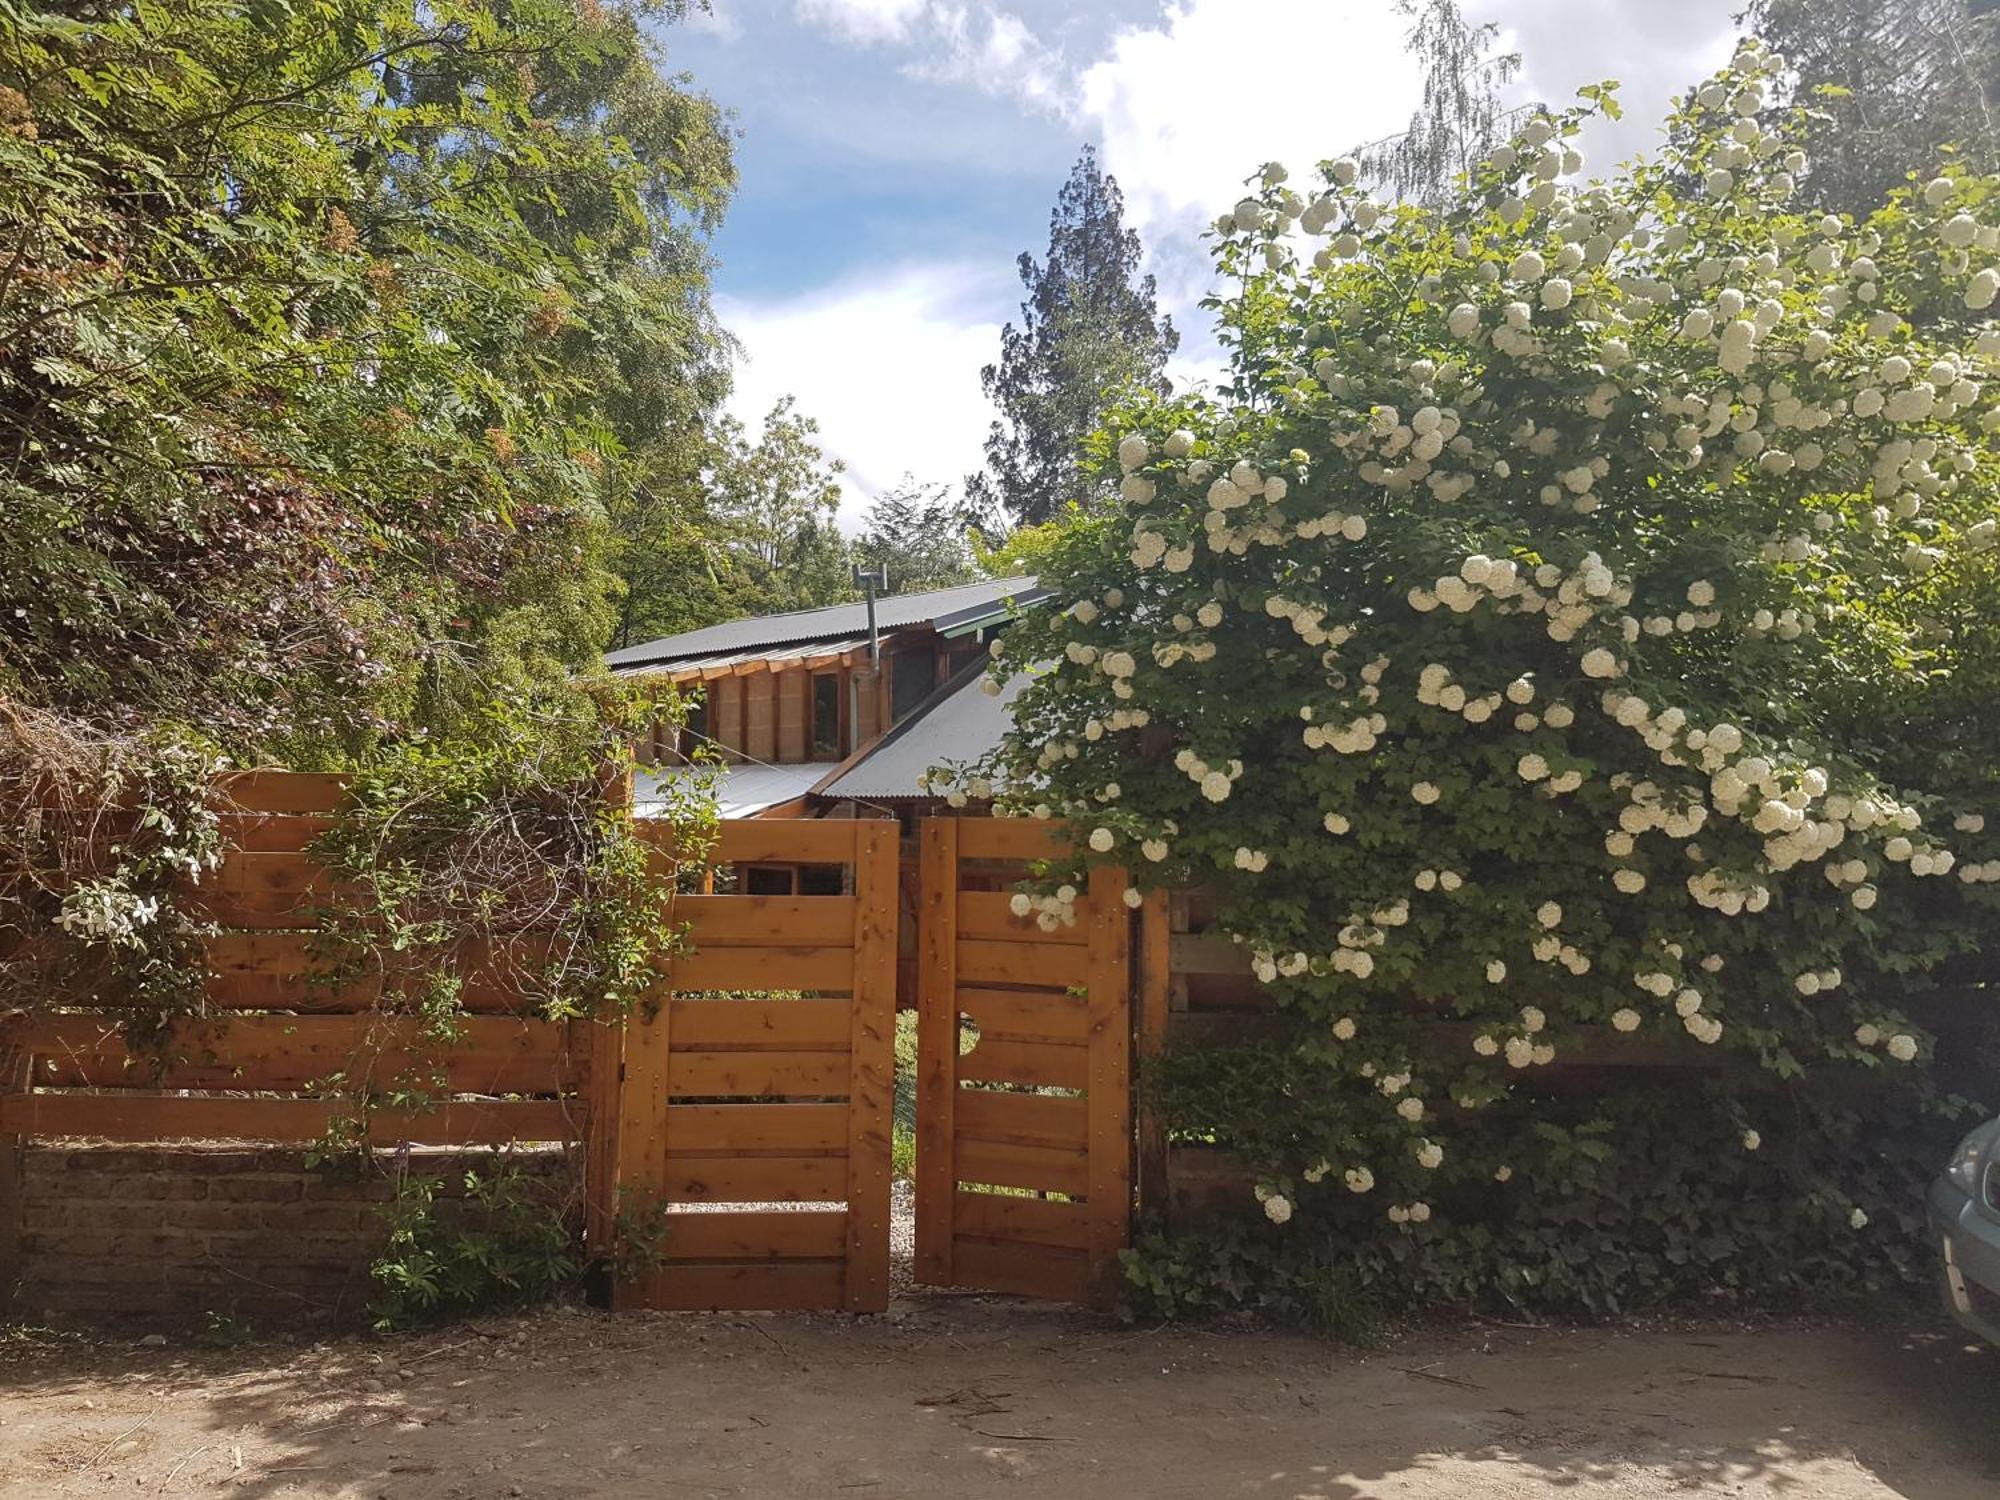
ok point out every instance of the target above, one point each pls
(1024, 1132)
(763, 1078)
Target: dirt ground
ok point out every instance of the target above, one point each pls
(957, 1396)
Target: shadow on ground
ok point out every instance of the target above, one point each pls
(966, 1396)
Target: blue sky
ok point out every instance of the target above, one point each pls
(897, 155)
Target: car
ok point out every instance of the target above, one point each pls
(1965, 1216)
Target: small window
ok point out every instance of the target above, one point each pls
(697, 731)
(826, 716)
(913, 679)
(767, 880)
(822, 880)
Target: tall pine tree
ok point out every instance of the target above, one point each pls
(1089, 327)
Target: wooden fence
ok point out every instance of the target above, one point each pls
(249, 1069)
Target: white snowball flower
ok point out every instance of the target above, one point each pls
(1411, 1109)
(1019, 904)
(1549, 913)
(1625, 1019)
(1278, 1208)
(1133, 451)
(1101, 840)
(1903, 1047)
(1344, 1029)
(1857, 1220)
(1496, 971)
(1180, 443)
(1425, 793)
(1599, 662)
(1752, 1140)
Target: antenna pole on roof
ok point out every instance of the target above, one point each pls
(872, 581)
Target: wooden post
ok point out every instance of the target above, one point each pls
(16, 1077)
(630, 1151)
(605, 1065)
(937, 1048)
(1109, 1097)
(872, 1041)
(1154, 978)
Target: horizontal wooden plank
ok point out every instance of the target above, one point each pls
(259, 888)
(983, 961)
(272, 832)
(1045, 1169)
(788, 1286)
(762, 1075)
(1050, 1065)
(774, 1129)
(784, 841)
(1024, 1270)
(763, 968)
(752, 1234)
(272, 971)
(184, 1117)
(279, 791)
(1027, 1015)
(753, 1179)
(791, 921)
(990, 914)
(493, 1055)
(753, 1025)
(1022, 1119)
(1008, 1216)
(1012, 838)
(803, 841)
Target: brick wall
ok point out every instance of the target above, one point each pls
(107, 1234)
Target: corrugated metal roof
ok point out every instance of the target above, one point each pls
(943, 608)
(720, 661)
(741, 791)
(961, 724)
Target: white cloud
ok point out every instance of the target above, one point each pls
(995, 52)
(888, 364)
(1654, 51)
(1188, 108)
(868, 22)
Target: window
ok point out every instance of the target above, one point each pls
(697, 732)
(826, 716)
(767, 880)
(822, 880)
(914, 677)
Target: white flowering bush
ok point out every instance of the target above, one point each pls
(1576, 625)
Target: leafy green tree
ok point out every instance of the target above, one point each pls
(324, 329)
(921, 535)
(1461, 117)
(1897, 84)
(777, 496)
(1090, 328)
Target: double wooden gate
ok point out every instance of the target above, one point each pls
(753, 1108)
